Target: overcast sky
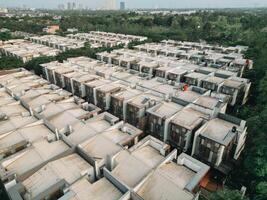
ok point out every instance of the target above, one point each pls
(138, 3)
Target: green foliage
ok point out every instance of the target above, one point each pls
(3, 194)
(34, 64)
(5, 36)
(261, 191)
(26, 24)
(227, 194)
(135, 43)
(9, 63)
(86, 51)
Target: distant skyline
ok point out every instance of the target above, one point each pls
(131, 4)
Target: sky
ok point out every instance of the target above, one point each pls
(138, 3)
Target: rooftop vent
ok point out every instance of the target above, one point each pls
(234, 129)
(3, 116)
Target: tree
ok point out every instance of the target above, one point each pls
(7, 62)
(35, 64)
(227, 194)
(261, 191)
(5, 36)
(3, 193)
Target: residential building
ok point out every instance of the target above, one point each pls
(220, 141)
(51, 29)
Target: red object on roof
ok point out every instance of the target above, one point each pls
(185, 88)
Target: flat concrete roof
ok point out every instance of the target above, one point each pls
(109, 87)
(98, 83)
(178, 70)
(15, 122)
(232, 83)
(207, 102)
(81, 132)
(135, 164)
(29, 133)
(13, 109)
(159, 186)
(102, 122)
(122, 133)
(188, 95)
(148, 155)
(166, 109)
(86, 78)
(218, 130)
(26, 160)
(178, 174)
(214, 79)
(61, 114)
(130, 169)
(188, 118)
(195, 75)
(100, 190)
(150, 84)
(166, 89)
(69, 168)
(143, 99)
(99, 147)
(5, 98)
(127, 94)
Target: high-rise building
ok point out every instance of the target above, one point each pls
(80, 6)
(69, 6)
(73, 6)
(111, 5)
(122, 5)
(3, 10)
(61, 6)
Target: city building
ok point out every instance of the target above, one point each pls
(159, 118)
(99, 39)
(131, 166)
(122, 5)
(58, 42)
(56, 145)
(51, 29)
(219, 141)
(184, 176)
(182, 128)
(25, 50)
(110, 5)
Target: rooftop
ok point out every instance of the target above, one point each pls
(122, 133)
(100, 190)
(127, 94)
(196, 75)
(144, 99)
(69, 168)
(24, 135)
(102, 121)
(23, 162)
(214, 79)
(207, 102)
(160, 186)
(165, 109)
(188, 118)
(232, 83)
(134, 164)
(99, 147)
(187, 96)
(218, 130)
